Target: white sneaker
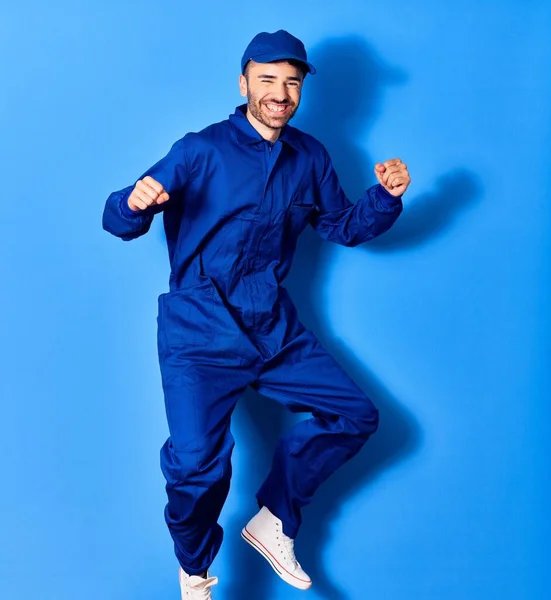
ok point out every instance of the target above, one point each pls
(194, 587)
(264, 533)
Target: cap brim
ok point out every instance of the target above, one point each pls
(266, 58)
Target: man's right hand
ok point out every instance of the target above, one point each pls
(147, 192)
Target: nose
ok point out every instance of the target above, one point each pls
(281, 93)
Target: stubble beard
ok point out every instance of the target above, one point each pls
(273, 122)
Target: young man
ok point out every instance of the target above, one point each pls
(235, 198)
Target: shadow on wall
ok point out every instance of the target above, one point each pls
(342, 100)
(432, 213)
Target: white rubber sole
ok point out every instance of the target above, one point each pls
(289, 578)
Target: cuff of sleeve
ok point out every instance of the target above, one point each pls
(385, 201)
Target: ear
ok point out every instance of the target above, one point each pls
(243, 85)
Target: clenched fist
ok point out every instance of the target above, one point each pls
(393, 176)
(147, 192)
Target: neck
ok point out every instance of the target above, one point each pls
(267, 133)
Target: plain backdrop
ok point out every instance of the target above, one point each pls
(444, 321)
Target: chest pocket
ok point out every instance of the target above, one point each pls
(302, 208)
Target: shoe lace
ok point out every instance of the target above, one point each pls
(203, 592)
(288, 546)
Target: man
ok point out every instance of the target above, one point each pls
(235, 198)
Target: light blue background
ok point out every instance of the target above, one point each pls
(444, 320)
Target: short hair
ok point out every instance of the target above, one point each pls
(295, 63)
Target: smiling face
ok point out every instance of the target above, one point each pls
(273, 94)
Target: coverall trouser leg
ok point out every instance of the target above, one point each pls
(306, 378)
(202, 381)
(196, 458)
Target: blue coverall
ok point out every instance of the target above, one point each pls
(237, 206)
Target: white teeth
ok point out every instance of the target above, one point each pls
(276, 108)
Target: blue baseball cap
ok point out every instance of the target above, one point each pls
(281, 45)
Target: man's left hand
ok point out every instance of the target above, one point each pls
(393, 176)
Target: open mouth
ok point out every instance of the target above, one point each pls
(277, 110)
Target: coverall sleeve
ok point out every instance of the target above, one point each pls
(338, 220)
(171, 171)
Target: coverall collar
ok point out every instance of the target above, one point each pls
(247, 134)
